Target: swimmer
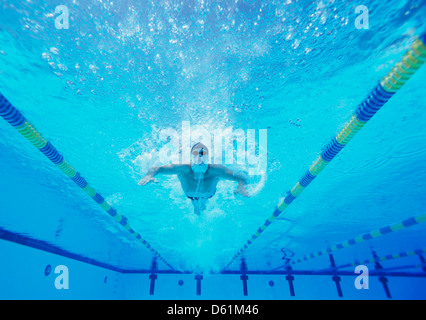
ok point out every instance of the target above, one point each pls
(199, 178)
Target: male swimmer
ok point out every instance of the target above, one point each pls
(199, 178)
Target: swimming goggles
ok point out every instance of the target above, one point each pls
(200, 152)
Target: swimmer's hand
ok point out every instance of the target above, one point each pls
(241, 189)
(147, 179)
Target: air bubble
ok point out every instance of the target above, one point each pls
(54, 50)
(45, 56)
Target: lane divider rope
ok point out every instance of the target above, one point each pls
(399, 255)
(365, 237)
(392, 82)
(16, 119)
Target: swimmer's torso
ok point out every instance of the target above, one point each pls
(194, 189)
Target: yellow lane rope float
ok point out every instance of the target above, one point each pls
(392, 82)
(365, 237)
(418, 252)
(15, 118)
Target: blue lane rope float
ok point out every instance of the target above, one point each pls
(387, 257)
(385, 89)
(365, 237)
(15, 118)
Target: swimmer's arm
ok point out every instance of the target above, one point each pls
(166, 169)
(169, 169)
(228, 174)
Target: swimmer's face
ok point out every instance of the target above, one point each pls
(199, 154)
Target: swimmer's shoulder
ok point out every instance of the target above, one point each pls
(216, 169)
(182, 168)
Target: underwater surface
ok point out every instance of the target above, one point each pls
(110, 91)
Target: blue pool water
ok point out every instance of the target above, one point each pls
(105, 90)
